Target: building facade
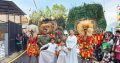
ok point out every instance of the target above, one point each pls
(10, 25)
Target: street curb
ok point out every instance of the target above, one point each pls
(17, 57)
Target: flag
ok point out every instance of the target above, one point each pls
(118, 7)
(119, 17)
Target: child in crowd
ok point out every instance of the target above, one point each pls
(105, 45)
(117, 50)
(112, 58)
(99, 55)
(62, 49)
(106, 57)
(58, 41)
(48, 55)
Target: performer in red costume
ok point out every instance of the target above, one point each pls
(32, 48)
(86, 40)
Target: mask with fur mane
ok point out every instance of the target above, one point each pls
(85, 26)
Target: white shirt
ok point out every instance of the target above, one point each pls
(106, 56)
(110, 42)
(63, 50)
(117, 42)
(51, 47)
(71, 41)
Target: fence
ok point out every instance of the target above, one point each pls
(13, 30)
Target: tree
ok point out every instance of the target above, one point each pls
(87, 11)
(35, 16)
(101, 24)
(47, 12)
(58, 10)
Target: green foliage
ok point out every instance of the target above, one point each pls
(35, 16)
(47, 12)
(101, 24)
(58, 12)
(61, 21)
(87, 11)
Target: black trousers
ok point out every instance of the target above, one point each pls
(18, 46)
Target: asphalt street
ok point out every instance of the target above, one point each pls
(25, 59)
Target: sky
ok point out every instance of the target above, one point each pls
(110, 6)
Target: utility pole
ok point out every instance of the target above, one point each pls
(35, 4)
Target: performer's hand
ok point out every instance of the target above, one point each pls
(69, 49)
(40, 50)
(41, 43)
(56, 53)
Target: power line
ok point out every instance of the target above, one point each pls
(35, 4)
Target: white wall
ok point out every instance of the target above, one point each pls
(6, 44)
(11, 17)
(17, 19)
(3, 17)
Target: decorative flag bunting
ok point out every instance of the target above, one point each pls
(118, 8)
(119, 16)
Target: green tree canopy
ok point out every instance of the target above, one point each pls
(35, 16)
(87, 11)
(47, 12)
(58, 12)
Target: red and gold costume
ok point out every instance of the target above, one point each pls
(99, 38)
(87, 44)
(86, 49)
(32, 49)
(86, 39)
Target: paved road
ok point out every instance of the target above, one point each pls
(24, 59)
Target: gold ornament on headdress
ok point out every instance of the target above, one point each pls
(85, 24)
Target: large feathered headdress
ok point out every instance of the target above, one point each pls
(85, 24)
